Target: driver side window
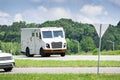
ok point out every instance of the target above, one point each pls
(39, 35)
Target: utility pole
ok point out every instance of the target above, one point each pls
(77, 44)
(113, 44)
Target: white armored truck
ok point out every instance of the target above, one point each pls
(44, 41)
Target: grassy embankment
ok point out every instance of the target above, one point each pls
(59, 63)
(59, 77)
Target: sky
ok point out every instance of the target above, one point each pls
(39, 11)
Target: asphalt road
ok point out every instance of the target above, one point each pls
(60, 70)
(71, 57)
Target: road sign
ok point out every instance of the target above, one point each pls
(103, 28)
(100, 31)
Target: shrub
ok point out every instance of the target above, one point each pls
(11, 47)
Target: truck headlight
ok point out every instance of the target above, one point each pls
(12, 57)
(47, 45)
(64, 45)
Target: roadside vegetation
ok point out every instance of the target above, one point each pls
(59, 77)
(15, 49)
(81, 38)
(59, 63)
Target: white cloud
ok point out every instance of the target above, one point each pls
(3, 21)
(18, 17)
(35, 0)
(60, 13)
(5, 18)
(3, 14)
(93, 10)
(41, 8)
(106, 13)
(86, 19)
(117, 2)
(37, 15)
(92, 14)
(93, 20)
(42, 14)
(56, 1)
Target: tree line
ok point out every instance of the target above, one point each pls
(80, 37)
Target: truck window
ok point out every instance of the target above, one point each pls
(36, 34)
(39, 35)
(47, 34)
(33, 34)
(58, 34)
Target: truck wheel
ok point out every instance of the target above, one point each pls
(47, 55)
(62, 54)
(7, 69)
(28, 53)
(42, 53)
(31, 55)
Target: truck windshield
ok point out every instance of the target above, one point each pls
(58, 34)
(47, 34)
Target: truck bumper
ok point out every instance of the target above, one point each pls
(55, 51)
(6, 65)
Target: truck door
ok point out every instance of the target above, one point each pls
(35, 42)
(32, 51)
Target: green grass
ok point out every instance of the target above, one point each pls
(59, 63)
(59, 77)
(115, 52)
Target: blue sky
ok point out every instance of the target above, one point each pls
(39, 11)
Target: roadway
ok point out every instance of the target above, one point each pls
(60, 70)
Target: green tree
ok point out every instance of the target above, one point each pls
(73, 31)
(87, 44)
(72, 46)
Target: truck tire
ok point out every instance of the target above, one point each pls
(7, 69)
(62, 54)
(43, 54)
(28, 53)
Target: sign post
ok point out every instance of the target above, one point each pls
(99, 49)
(100, 30)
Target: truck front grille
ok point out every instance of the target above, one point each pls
(56, 44)
(5, 58)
